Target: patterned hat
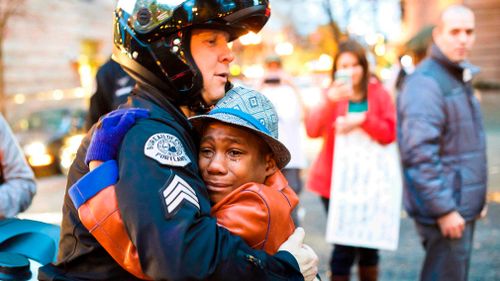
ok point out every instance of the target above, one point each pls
(249, 109)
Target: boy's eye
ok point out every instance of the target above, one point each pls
(206, 152)
(235, 153)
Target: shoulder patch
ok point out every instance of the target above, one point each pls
(177, 192)
(167, 149)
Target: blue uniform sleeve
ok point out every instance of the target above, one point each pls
(166, 211)
(422, 120)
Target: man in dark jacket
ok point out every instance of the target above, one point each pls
(113, 86)
(443, 150)
(178, 53)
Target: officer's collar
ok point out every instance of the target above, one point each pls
(153, 95)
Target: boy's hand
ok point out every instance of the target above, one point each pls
(110, 132)
(305, 256)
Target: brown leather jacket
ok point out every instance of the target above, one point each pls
(259, 213)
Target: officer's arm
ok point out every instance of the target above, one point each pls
(166, 211)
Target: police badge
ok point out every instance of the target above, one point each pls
(167, 149)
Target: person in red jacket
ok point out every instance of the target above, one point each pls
(355, 92)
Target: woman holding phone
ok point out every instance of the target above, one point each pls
(353, 90)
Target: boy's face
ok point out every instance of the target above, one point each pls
(231, 156)
(212, 55)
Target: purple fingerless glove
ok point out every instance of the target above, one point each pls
(110, 131)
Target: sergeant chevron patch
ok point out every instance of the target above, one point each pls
(176, 193)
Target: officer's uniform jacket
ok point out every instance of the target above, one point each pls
(166, 211)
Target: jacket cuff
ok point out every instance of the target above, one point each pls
(288, 258)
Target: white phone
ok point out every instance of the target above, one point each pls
(344, 75)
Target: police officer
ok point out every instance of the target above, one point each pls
(177, 52)
(113, 86)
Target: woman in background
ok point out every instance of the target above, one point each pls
(352, 90)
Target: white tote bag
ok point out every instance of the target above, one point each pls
(365, 199)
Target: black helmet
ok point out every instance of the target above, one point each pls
(152, 39)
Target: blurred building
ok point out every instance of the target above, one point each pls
(52, 49)
(419, 13)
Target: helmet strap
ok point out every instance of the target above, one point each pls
(194, 100)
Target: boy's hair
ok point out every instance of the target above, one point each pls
(250, 110)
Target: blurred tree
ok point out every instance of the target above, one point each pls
(335, 29)
(418, 45)
(8, 10)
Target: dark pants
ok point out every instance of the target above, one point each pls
(445, 259)
(344, 257)
(295, 182)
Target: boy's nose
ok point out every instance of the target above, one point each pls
(216, 165)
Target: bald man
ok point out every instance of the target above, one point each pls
(443, 149)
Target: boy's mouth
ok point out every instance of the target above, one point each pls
(217, 186)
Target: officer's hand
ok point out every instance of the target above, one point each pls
(110, 132)
(305, 256)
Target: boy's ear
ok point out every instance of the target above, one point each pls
(271, 166)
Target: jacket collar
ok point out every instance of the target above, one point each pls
(157, 100)
(463, 71)
(277, 180)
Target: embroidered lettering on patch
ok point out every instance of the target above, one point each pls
(166, 149)
(176, 193)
